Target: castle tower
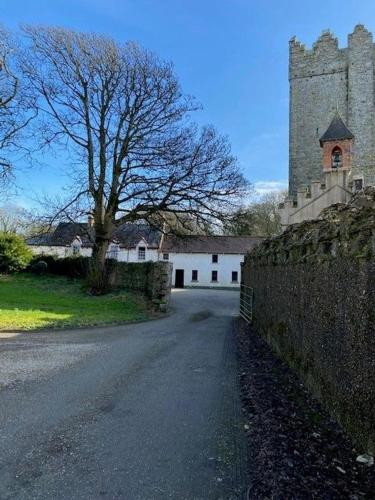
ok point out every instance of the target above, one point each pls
(322, 80)
(361, 111)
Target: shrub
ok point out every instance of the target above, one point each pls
(73, 267)
(40, 267)
(15, 255)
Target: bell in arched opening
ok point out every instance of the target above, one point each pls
(336, 158)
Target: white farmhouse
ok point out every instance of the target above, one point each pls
(198, 261)
(206, 261)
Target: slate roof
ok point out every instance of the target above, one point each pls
(336, 131)
(127, 235)
(210, 244)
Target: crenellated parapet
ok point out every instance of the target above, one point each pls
(335, 186)
(325, 56)
(326, 43)
(360, 36)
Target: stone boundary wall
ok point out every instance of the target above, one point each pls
(314, 302)
(154, 279)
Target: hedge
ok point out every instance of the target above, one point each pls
(73, 267)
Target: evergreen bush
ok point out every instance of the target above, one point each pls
(15, 255)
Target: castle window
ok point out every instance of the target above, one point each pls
(336, 157)
(358, 184)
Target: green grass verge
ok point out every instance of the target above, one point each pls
(28, 302)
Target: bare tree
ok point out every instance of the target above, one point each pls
(121, 110)
(259, 218)
(16, 108)
(13, 219)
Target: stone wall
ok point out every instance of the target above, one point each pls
(154, 279)
(323, 80)
(314, 301)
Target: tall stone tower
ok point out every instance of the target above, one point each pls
(324, 81)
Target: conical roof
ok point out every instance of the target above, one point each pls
(337, 131)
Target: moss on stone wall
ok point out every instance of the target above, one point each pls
(344, 230)
(314, 301)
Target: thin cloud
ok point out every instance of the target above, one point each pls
(264, 187)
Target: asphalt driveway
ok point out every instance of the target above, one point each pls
(145, 411)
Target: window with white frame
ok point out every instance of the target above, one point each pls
(234, 276)
(165, 256)
(141, 253)
(214, 276)
(113, 251)
(194, 275)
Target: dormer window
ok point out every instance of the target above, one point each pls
(141, 253)
(336, 157)
(76, 246)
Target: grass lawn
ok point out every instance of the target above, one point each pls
(28, 302)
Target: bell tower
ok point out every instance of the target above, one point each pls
(335, 182)
(337, 144)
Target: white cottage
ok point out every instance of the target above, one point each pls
(198, 261)
(206, 261)
(130, 242)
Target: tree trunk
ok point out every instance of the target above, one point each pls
(98, 277)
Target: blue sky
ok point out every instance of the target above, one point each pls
(232, 55)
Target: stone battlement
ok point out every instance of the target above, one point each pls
(324, 50)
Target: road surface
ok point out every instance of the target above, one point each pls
(144, 411)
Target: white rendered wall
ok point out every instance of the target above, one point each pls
(203, 264)
(60, 251)
(124, 255)
(131, 255)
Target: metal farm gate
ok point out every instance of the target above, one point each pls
(246, 303)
